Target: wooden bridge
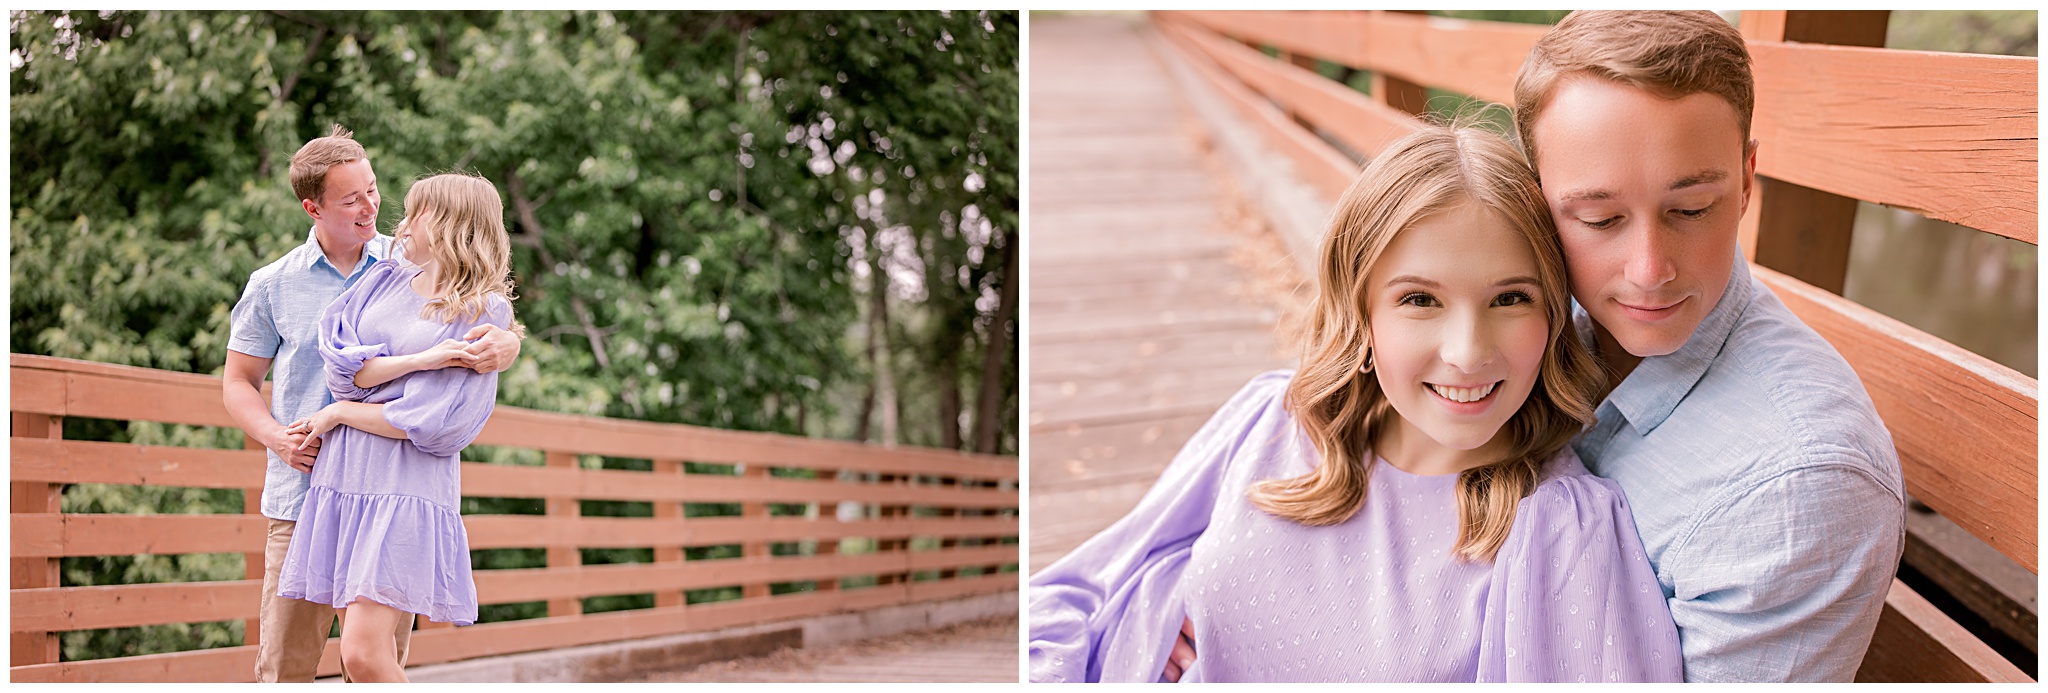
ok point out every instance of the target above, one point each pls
(942, 527)
(1125, 367)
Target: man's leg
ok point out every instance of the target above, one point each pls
(402, 635)
(293, 631)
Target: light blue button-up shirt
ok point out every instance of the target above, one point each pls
(278, 318)
(1765, 487)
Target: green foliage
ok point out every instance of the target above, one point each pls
(695, 201)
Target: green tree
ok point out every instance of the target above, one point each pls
(697, 200)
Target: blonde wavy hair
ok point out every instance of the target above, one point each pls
(463, 221)
(1339, 408)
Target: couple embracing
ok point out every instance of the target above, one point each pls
(1469, 480)
(384, 355)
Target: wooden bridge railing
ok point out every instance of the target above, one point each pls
(1949, 136)
(963, 508)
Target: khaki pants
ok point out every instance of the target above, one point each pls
(293, 632)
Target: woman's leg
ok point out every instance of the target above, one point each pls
(368, 650)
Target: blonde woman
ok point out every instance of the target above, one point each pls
(381, 532)
(1404, 507)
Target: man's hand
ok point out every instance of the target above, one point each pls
(494, 348)
(1183, 656)
(294, 449)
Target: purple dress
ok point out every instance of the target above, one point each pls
(382, 520)
(1379, 597)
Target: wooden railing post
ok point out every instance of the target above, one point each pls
(668, 510)
(828, 512)
(754, 551)
(252, 563)
(1400, 94)
(559, 556)
(886, 513)
(1788, 227)
(36, 497)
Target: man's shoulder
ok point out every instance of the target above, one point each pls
(1781, 393)
(275, 270)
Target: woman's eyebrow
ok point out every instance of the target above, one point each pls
(1412, 279)
(1524, 279)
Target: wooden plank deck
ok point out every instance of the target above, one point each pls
(983, 651)
(1144, 318)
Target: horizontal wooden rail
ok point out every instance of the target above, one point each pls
(1946, 135)
(63, 387)
(65, 535)
(1917, 643)
(967, 504)
(1961, 147)
(1950, 136)
(1349, 116)
(234, 664)
(121, 606)
(1965, 427)
(1323, 167)
(1475, 58)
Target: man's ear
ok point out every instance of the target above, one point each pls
(1749, 175)
(312, 210)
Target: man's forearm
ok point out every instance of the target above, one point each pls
(251, 414)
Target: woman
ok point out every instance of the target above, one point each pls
(1404, 507)
(381, 533)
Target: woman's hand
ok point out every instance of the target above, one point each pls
(1183, 655)
(450, 352)
(317, 425)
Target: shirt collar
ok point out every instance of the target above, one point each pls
(1650, 392)
(372, 251)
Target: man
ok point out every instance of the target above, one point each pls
(277, 320)
(1764, 485)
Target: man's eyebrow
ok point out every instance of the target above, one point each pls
(1701, 178)
(1586, 195)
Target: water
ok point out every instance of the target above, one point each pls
(1976, 290)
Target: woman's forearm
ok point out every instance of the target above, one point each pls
(368, 418)
(384, 369)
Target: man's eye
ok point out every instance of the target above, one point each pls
(1600, 223)
(1419, 300)
(1691, 213)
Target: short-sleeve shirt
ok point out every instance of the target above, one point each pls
(278, 318)
(1766, 489)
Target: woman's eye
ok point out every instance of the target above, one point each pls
(1512, 298)
(1419, 300)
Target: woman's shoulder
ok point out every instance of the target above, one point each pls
(1264, 397)
(1565, 486)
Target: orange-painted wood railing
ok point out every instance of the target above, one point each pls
(1950, 136)
(961, 507)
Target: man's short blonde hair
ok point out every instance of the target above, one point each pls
(1672, 54)
(309, 167)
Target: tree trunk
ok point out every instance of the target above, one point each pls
(994, 377)
(949, 395)
(878, 333)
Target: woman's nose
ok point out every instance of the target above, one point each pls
(1467, 344)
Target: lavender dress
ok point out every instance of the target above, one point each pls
(1380, 597)
(381, 521)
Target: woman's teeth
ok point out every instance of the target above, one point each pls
(1464, 394)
